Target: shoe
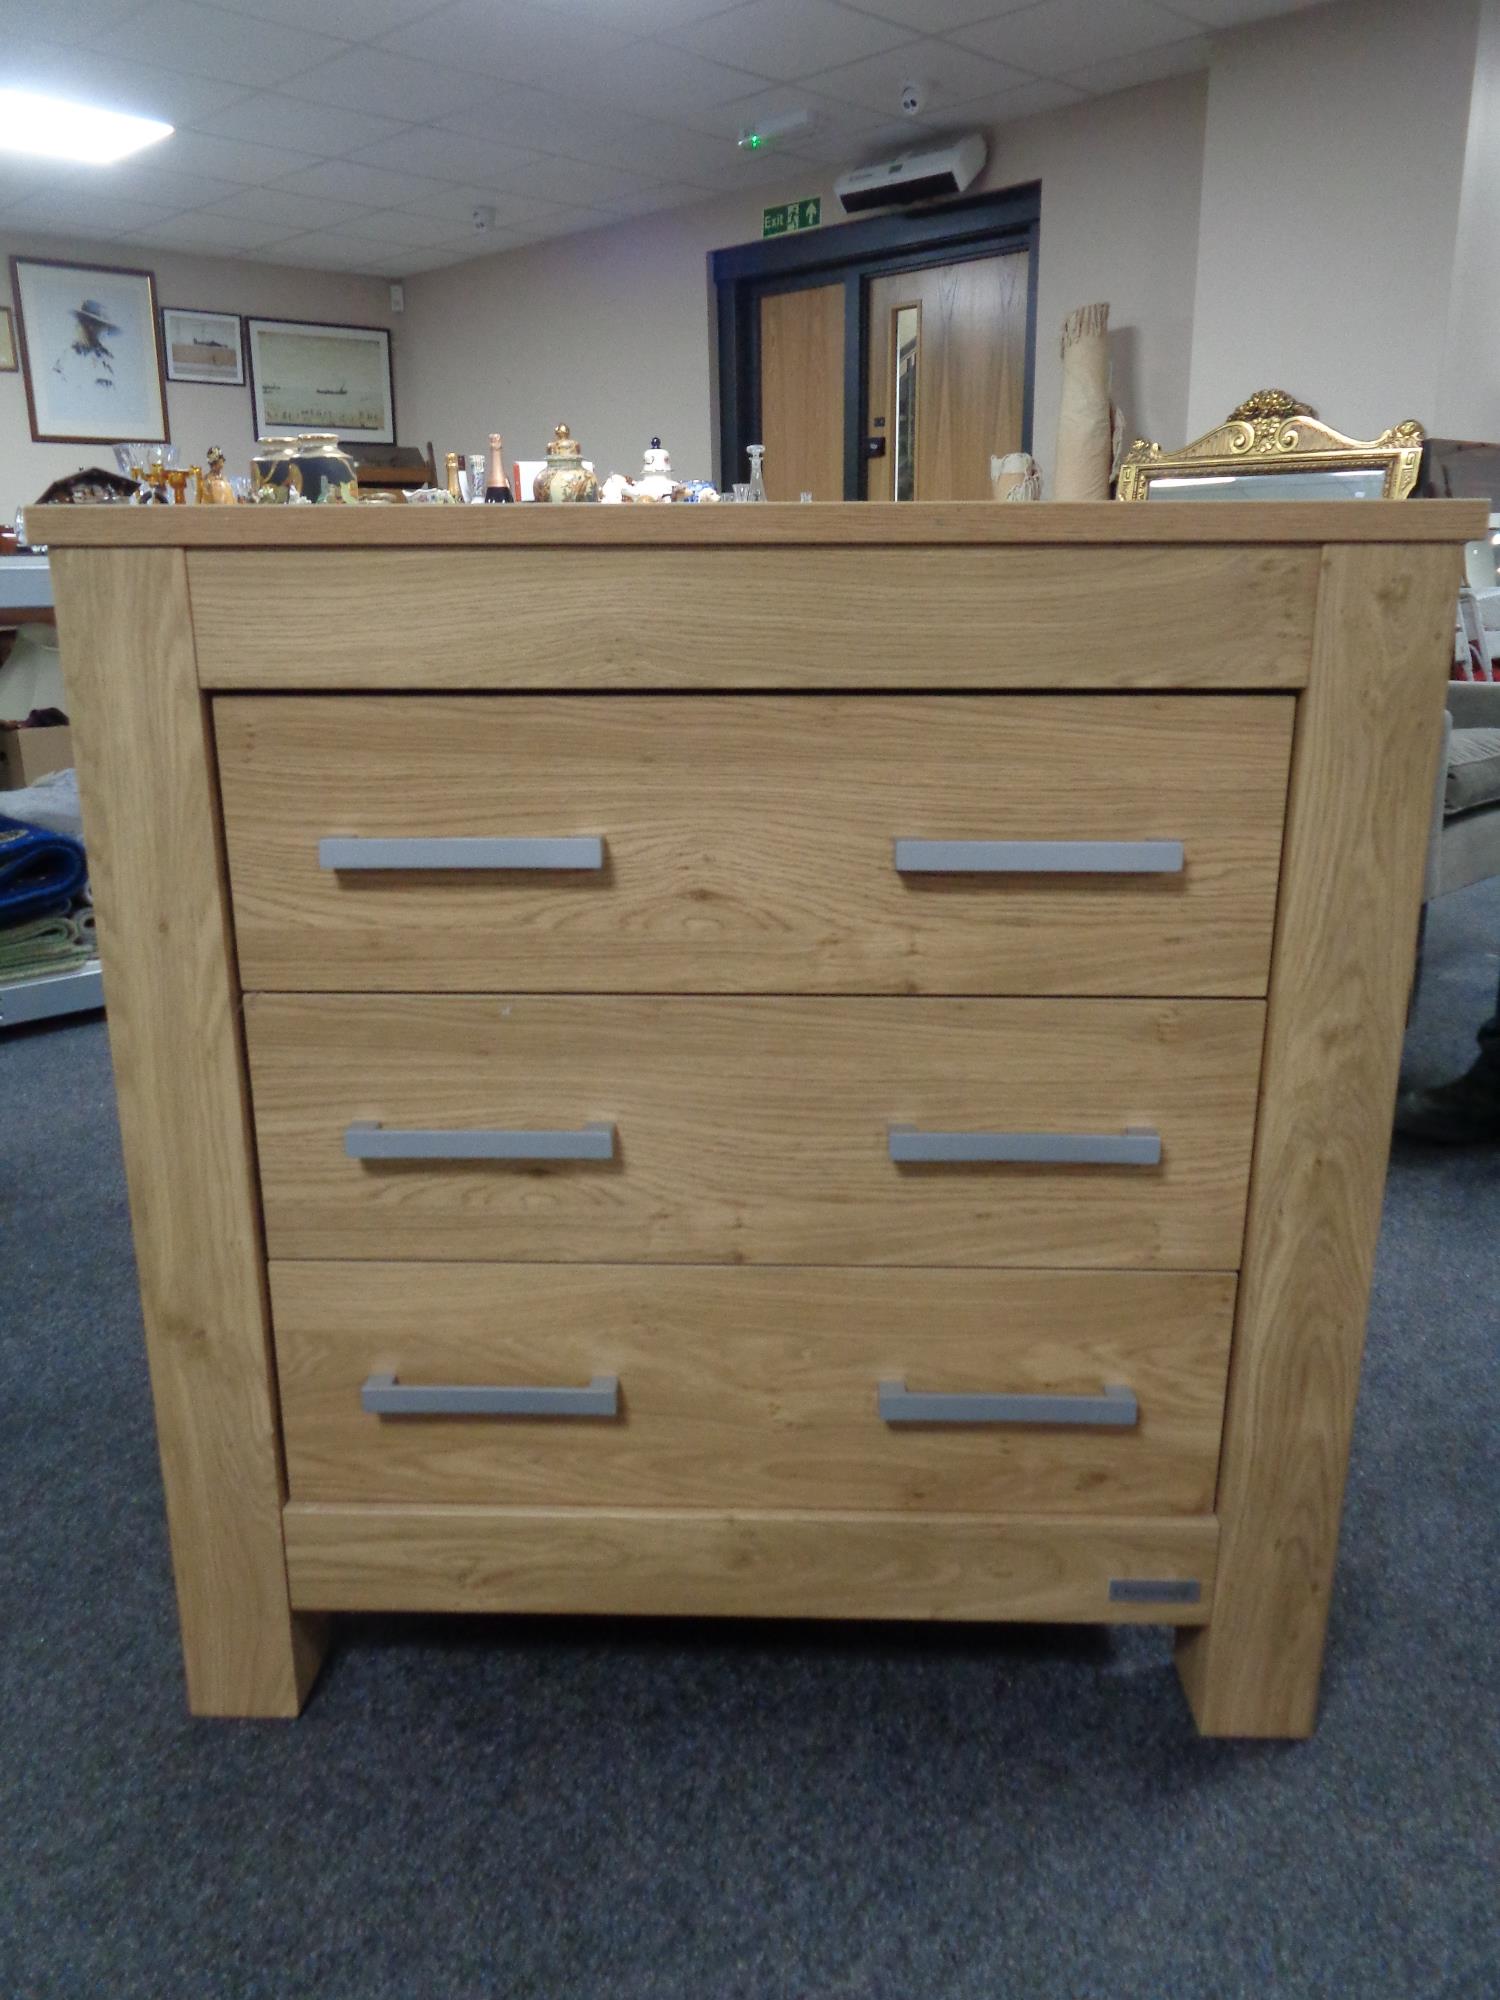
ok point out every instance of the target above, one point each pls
(1465, 1112)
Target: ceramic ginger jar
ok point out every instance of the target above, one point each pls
(566, 476)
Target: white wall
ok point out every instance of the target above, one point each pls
(199, 415)
(1121, 179)
(1468, 400)
(612, 331)
(1333, 162)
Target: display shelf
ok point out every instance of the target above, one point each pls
(75, 992)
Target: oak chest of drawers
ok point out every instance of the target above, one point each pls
(822, 1062)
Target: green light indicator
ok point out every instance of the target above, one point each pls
(753, 142)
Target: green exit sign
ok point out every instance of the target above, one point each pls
(791, 216)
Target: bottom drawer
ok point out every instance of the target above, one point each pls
(1108, 1570)
(758, 1387)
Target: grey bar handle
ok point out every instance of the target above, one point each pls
(380, 1142)
(1135, 1147)
(585, 852)
(1116, 1409)
(1039, 857)
(384, 1396)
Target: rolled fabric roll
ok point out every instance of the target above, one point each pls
(1085, 425)
(40, 871)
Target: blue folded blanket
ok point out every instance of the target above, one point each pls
(40, 871)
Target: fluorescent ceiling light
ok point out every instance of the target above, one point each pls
(54, 129)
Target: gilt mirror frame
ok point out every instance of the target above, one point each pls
(1273, 433)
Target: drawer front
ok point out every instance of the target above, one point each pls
(625, 1130)
(750, 844)
(757, 1388)
(736, 1563)
(705, 617)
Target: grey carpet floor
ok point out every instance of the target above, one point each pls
(614, 1811)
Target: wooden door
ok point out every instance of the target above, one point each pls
(947, 375)
(801, 394)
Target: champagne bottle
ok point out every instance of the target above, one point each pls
(496, 485)
(450, 472)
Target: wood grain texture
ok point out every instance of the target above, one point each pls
(749, 842)
(146, 778)
(1056, 524)
(971, 371)
(1361, 792)
(901, 618)
(755, 1131)
(741, 1565)
(753, 1388)
(802, 393)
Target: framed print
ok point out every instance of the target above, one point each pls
(90, 352)
(8, 362)
(203, 346)
(305, 376)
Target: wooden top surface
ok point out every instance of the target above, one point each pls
(1065, 524)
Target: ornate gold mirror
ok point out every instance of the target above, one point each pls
(1273, 448)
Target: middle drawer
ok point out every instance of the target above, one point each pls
(630, 1129)
(749, 844)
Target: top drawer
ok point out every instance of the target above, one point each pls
(748, 844)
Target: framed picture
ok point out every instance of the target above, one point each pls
(305, 376)
(8, 362)
(90, 352)
(203, 346)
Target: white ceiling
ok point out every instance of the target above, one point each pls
(360, 135)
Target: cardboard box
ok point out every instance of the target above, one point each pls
(29, 754)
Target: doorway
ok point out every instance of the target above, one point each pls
(887, 360)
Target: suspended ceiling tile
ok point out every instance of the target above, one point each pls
(789, 38)
(60, 23)
(270, 118)
(509, 39)
(1025, 101)
(1125, 72)
(82, 214)
(1231, 13)
(935, 17)
(356, 20)
(206, 41)
(202, 230)
(1059, 37)
(366, 79)
(226, 159)
(651, 78)
(347, 180)
(291, 210)
(650, 200)
(647, 17)
(447, 156)
(412, 231)
(575, 182)
(950, 75)
(329, 247)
